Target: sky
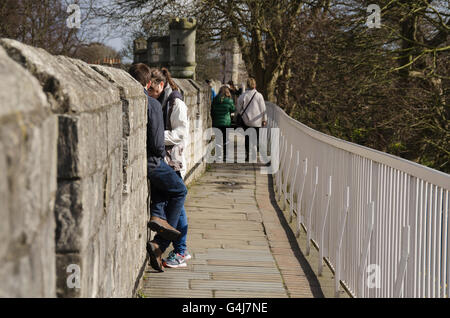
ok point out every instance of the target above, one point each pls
(98, 31)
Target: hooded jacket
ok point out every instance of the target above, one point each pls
(221, 110)
(155, 133)
(176, 124)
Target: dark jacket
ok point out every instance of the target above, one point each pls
(155, 134)
(221, 110)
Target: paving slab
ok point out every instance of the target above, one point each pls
(238, 286)
(242, 295)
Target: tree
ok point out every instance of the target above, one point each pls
(208, 62)
(259, 26)
(43, 24)
(384, 88)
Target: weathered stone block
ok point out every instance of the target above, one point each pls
(79, 154)
(134, 113)
(115, 170)
(92, 270)
(68, 215)
(71, 85)
(4, 204)
(43, 267)
(28, 133)
(114, 128)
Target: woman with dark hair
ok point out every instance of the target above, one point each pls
(176, 138)
(221, 110)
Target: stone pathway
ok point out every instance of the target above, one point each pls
(240, 247)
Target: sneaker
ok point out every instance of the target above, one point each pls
(187, 256)
(174, 260)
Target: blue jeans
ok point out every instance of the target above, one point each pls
(180, 245)
(168, 194)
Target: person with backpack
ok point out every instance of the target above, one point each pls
(168, 191)
(251, 112)
(221, 110)
(176, 136)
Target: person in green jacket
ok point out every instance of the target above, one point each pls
(221, 110)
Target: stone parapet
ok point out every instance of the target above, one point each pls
(73, 182)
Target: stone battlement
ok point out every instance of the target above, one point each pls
(73, 186)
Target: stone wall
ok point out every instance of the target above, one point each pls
(28, 135)
(73, 187)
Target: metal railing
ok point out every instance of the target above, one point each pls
(380, 221)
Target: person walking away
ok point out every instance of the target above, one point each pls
(252, 107)
(221, 110)
(234, 92)
(213, 92)
(176, 137)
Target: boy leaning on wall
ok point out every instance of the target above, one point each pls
(167, 190)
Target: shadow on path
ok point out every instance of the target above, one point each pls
(310, 275)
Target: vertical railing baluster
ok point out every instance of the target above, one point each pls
(448, 243)
(414, 209)
(300, 197)
(286, 179)
(282, 175)
(365, 250)
(309, 227)
(322, 232)
(280, 170)
(428, 254)
(403, 263)
(434, 211)
(338, 271)
(438, 237)
(422, 236)
(293, 184)
(445, 248)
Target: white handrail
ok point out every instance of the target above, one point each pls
(435, 177)
(409, 206)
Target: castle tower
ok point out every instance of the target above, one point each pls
(182, 47)
(233, 66)
(158, 51)
(140, 50)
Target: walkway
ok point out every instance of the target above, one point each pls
(239, 241)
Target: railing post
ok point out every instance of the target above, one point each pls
(365, 251)
(324, 222)
(300, 196)
(286, 180)
(278, 173)
(282, 170)
(337, 273)
(403, 263)
(308, 246)
(293, 183)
